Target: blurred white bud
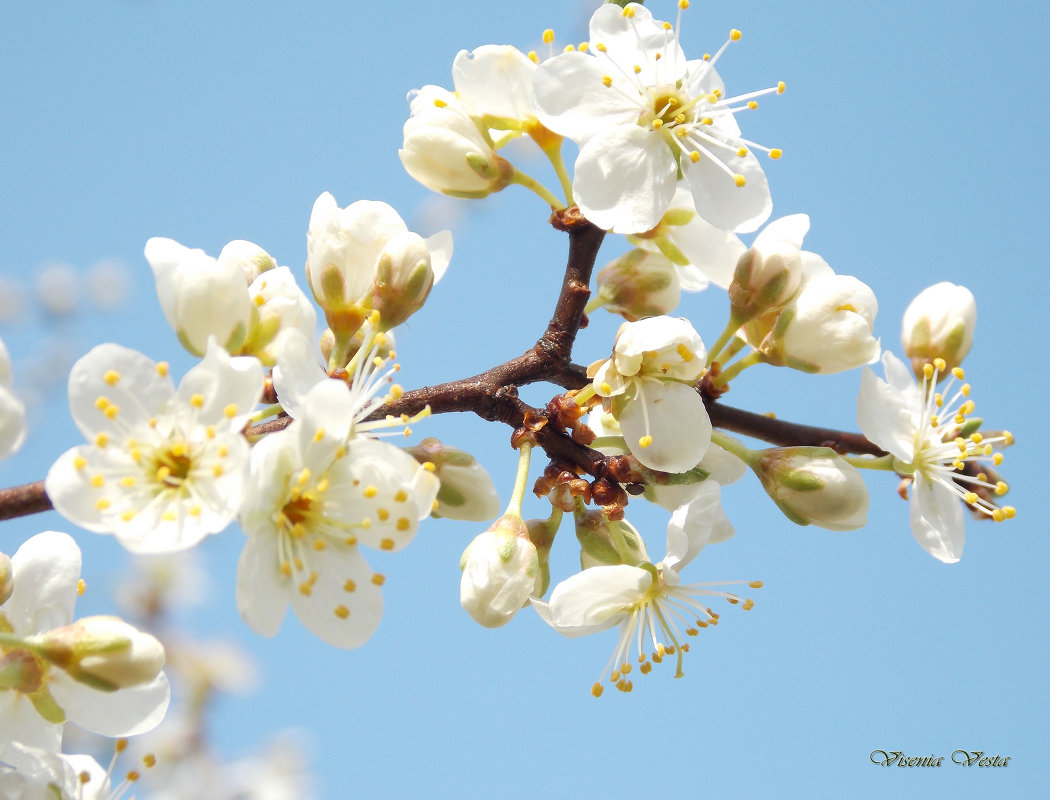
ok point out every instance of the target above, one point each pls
(108, 283)
(57, 288)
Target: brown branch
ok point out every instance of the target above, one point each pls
(493, 394)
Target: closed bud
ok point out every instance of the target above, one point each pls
(605, 542)
(827, 328)
(402, 279)
(768, 275)
(445, 150)
(639, 284)
(814, 486)
(467, 492)
(939, 323)
(103, 652)
(251, 258)
(501, 570)
(200, 296)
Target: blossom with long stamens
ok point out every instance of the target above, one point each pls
(934, 441)
(654, 610)
(162, 468)
(646, 117)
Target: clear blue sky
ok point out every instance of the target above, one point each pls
(914, 137)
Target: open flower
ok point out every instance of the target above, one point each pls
(649, 603)
(651, 380)
(162, 468)
(39, 696)
(643, 115)
(318, 490)
(931, 438)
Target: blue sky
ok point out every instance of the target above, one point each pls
(913, 138)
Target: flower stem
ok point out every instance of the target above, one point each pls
(594, 304)
(520, 481)
(885, 462)
(732, 326)
(728, 443)
(531, 183)
(265, 413)
(731, 372)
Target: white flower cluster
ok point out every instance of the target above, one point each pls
(662, 160)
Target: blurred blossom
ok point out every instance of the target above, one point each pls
(158, 584)
(57, 287)
(108, 283)
(12, 300)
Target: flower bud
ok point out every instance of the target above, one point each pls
(605, 542)
(7, 583)
(939, 323)
(402, 279)
(200, 296)
(826, 328)
(639, 284)
(251, 258)
(814, 485)
(446, 152)
(278, 305)
(768, 275)
(103, 652)
(467, 491)
(12, 410)
(501, 570)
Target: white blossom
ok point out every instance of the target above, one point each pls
(650, 380)
(928, 434)
(162, 468)
(649, 603)
(501, 570)
(644, 117)
(46, 577)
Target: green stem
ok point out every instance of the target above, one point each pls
(885, 462)
(265, 413)
(531, 183)
(520, 481)
(728, 443)
(732, 326)
(554, 154)
(596, 302)
(728, 374)
(610, 441)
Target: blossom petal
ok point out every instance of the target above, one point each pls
(344, 604)
(719, 199)
(114, 376)
(885, 416)
(573, 101)
(937, 520)
(495, 80)
(595, 600)
(297, 371)
(625, 179)
(674, 415)
(46, 569)
(130, 712)
(693, 525)
(230, 387)
(262, 596)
